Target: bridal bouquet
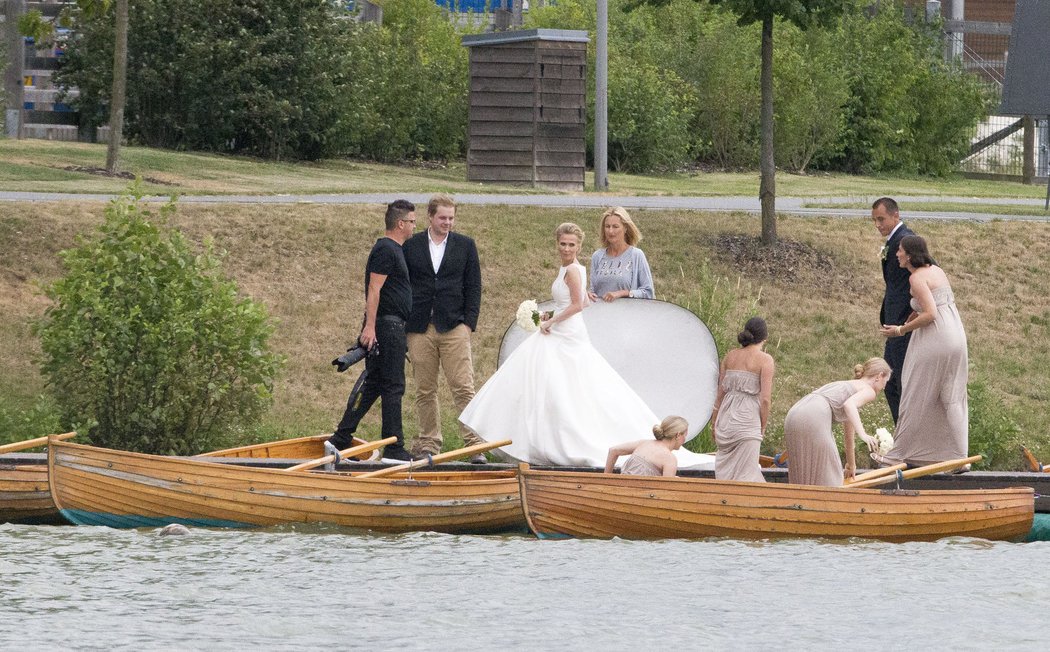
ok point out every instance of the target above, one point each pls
(885, 440)
(528, 316)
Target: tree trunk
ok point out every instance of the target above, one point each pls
(120, 82)
(767, 188)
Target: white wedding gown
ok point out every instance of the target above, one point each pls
(558, 399)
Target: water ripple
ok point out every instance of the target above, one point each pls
(286, 588)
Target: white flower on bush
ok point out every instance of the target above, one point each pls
(885, 440)
(528, 316)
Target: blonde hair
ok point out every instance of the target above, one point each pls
(440, 199)
(631, 234)
(670, 427)
(568, 228)
(873, 367)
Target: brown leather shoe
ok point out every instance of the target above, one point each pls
(420, 452)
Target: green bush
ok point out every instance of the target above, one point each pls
(18, 423)
(907, 111)
(726, 76)
(993, 431)
(405, 95)
(249, 76)
(149, 343)
(810, 93)
(650, 118)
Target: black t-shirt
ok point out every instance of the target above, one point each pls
(395, 297)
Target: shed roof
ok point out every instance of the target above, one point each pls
(500, 38)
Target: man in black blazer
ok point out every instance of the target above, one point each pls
(896, 302)
(446, 298)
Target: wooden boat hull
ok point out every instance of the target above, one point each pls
(25, 496)
(570, 504)
(299, 448)
(96, 486)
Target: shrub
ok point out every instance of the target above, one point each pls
(993, 431)
(405, 95)
(649, 118)
(247, 76)
(726, 79)
(147, 341)
(907, 111)
(18, 423)
(810, 95)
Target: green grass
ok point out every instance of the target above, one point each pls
(37, 165)
(948, 207)
(305, 262)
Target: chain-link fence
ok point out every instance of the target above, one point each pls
(998, 147)
(998, 143)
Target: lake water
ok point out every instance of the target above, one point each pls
(93, 588)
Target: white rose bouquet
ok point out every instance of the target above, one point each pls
(528, 316)
(885, 440)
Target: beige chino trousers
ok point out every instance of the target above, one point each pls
(431, 352)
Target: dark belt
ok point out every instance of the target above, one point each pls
(391, 318)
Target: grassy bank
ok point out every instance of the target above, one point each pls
(43, 166)
(305, 262)
(1034, 210)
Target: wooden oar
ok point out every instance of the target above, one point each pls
(919, 471)
(33, 443)
(343, 454)
(434, 459)
(877, 473)
(1033, 464)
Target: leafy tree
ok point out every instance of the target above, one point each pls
(652, 109)
(804, 14)
(147, 341)
(906, 109)
(246, 76)
(99, 10)
(811, 92)
(649, 121)
(406, 90)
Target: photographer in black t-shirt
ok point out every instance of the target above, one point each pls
(388, 302)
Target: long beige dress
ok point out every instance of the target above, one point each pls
(639, 466)
(934, 423)
(738, 428)
(813, 455)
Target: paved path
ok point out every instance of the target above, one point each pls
(791, 205)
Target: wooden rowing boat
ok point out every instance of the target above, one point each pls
(25, 496)
(572, 504)
(97, 486)
(299, 448)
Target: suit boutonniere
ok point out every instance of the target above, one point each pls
(882, 252)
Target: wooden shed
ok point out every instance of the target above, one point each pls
(528, 108)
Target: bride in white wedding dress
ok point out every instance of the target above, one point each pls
(556, 397)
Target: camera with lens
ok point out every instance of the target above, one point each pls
(353, 355)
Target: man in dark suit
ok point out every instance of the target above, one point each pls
(446, 299)
(896, 302)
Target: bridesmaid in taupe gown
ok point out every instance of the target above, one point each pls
(934, 421)
(652, 456)
(741, 411)
(812, 452)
